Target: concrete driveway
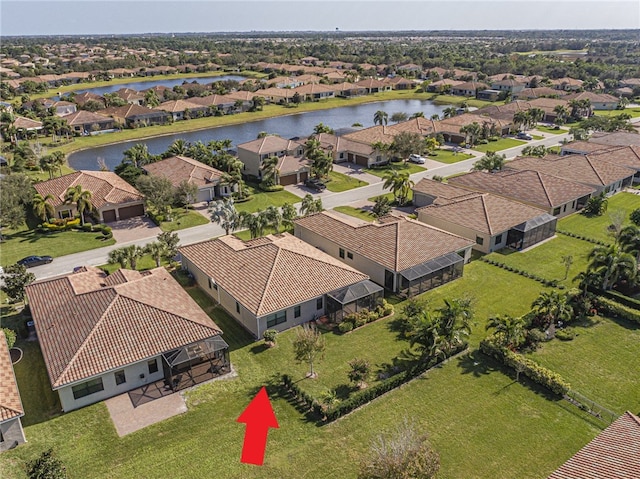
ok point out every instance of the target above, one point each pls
(133, 229)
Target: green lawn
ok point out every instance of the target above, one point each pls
(502, 144)
(246, 234)
(596, 226)
(25, 242)
(634, 112)
(459, 100)
(260, 200)
(182, 219)
(401, 166)
(339, 182)
(610, 374)
(544, 260)
(551, 129)
(144, 263)
(537, 137)
(355, 212)
(448, 156)
(389, 196)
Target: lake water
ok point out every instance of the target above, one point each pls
(289, 126)
(143, 85)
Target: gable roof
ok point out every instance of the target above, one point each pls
(396, 243)
(442, 193)
(484, 213)
(10, 403)
(89, 323)
(132, 110)
(27, 123)
(173, 106)
(272, 273)
(613, 454)
(105, 186)
(627, 156)
(269, 144)
(181, 168)
(83, 117)
(619, 138)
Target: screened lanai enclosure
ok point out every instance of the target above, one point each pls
(431, 274)
(531, 232)
(353, 298)
(196, 363)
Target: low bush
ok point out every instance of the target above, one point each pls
(616, 309)
(582, 237)
(565, 334)
(526, 274)
(345, 326)
(364, 316)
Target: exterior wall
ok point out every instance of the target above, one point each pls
(117, 208)
(12, 434)
(488, 242)
(251, 161)
(308, 312)
(206, 193)
(136, 374)
(421, 199)
(564, 209)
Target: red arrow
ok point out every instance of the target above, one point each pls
(259, 417)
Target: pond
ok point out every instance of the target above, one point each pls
(289, 126)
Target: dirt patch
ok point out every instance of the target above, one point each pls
(16, 355)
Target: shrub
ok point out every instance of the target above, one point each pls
(10, 335)
(565, 334)
(616, 309)
(360, 318)
(359, 372)
(345, 326)
(88, 227)
(270, 336)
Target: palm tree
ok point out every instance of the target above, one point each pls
(274, 218)
(629, 240)
(322, 128)
(562, 113)
(224, 213)
(551, 307)
(420, 114)
(156, 250)
(249, 221)
(118, 256)
(399, 183)
(310, 205)
(47, 164)
(380, 117)
(138, 155)
(42, 206)
(510, 330)
(449, 112)
(289, 214)
(81, 198)
(133, 253)
(490, 162)
(535, 115)
(455, 319)
(472, 132)
(178, 148)
(270, 170)
(520, 120)
(612, 264)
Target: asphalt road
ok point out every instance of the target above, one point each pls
(96, 257)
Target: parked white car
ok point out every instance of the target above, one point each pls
(413, 158)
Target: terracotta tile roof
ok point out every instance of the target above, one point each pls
(613, 454)
(574, 168)
(528, 186)
(443, 193)
(83, 117)
(131, 110)
(269, 144)
(620, 138)
(585, 147)
(292, 164)
(371, 83)
(89, 323)
(173, 106)
(313, 89)
(592, 97)
(10, 404)
(340, 144)
(27, 123)
(627, 156)
(485, 213)
(211, 100)
(271, 273)
(242, 95)
(105, 186)
(180, 168)
(396, 243)
(539, 92)
(372, 135)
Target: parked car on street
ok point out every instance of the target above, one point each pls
(523, 136)
(413, 158)
(315, 184)
(30, 261)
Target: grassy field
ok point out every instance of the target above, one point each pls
(502, 144)
(634, 112)
(459, 100)
(400, 166)
(389, 196)
(611, 349)
(551, 129)
(182, 219)
(260, 200)
(448, 156)
(355, 212)
(339, 182)
(246, 234)
(596, 227)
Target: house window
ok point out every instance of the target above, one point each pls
(237, 307)
(556, 211)
(120, 377)
(276, 318)
(296, 312)
(319, 303)
(573, 205)
(349, 255)
(498, 239)
(65, 214)
(564, 208)
(87, 388)
(341, 253)
(479, 240)
(213, 284)
(152, 364)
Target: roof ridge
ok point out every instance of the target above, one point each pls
(271, 274)
(592, 165)
(544, 187)
(486, 213)
(397, 255)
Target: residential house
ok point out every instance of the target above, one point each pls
(275, 282)
(508, 85)
(182, 109)
(11, 410)
(567, 84)
(443, 86)
(178, 169)
(112, 198)
(276, 95)
(314, 92)
(618, 138)
(548, 105)
(491, 221)
(81, 99)
(222, 103)
(401, 254)
(583, 148)
(450, 127)
(24, 124)
(332, 77)
(131, 96)
(400, 83)
(85, 122)
(103, 335)
(599, 101)
(373, 85)
(469, 88)
(612, 454)
(625, 156)
(292, 167)
(539, 92)
(284, 82)
(344, 149)
(557, 196)
(488, 94)
(135, 116)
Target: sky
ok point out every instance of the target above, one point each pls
(98, 17)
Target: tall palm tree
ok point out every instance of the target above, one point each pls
(520, 120)
(270, 170)
(81, 198)
(612, 264)
(224, 213)
(178, 148)
(551, 307)
(510, 330)
(535, 115)
(472, 132)
(138, 155)
(380, 117)
(449, 112)
(274, 218)
(118, 256)
(455, 320)
(629, 241)
(42, 206)
(562, 113)
(133, 253)
(157, 251)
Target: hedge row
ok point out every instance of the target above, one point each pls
(547, 282)
(616, 309)
(538, 374)
(583, 238)
(620, 298)
(364, 316)
(364, 396)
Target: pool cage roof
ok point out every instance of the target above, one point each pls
(534, 223)
(352, 293)
(193, 351)
(431, 266)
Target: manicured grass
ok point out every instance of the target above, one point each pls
(596, 227)
(604, 365)
(144, 263)
(182, 219)
(389, 196)
(551, 129)
(537, 137)
(340, 182)
(544, 260)
(634, 112)
(502, 144)
(448, 156)
(459, 100)
(355, 212)
(401, 166)
(25, 242)
(260, 200)
(246, 234)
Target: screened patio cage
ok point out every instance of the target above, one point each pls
(353, 298)
(196, 362)
(531, 232)
(431, 274)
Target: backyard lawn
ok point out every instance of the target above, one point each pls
(448, 156)
(596, 227)
(355, 212)
(634, 112)
(400, 166)
(551, 129)
(182, 219)
(339, 182)
(260, 200)
(501, 144)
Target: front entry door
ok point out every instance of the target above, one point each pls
(388, 279)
